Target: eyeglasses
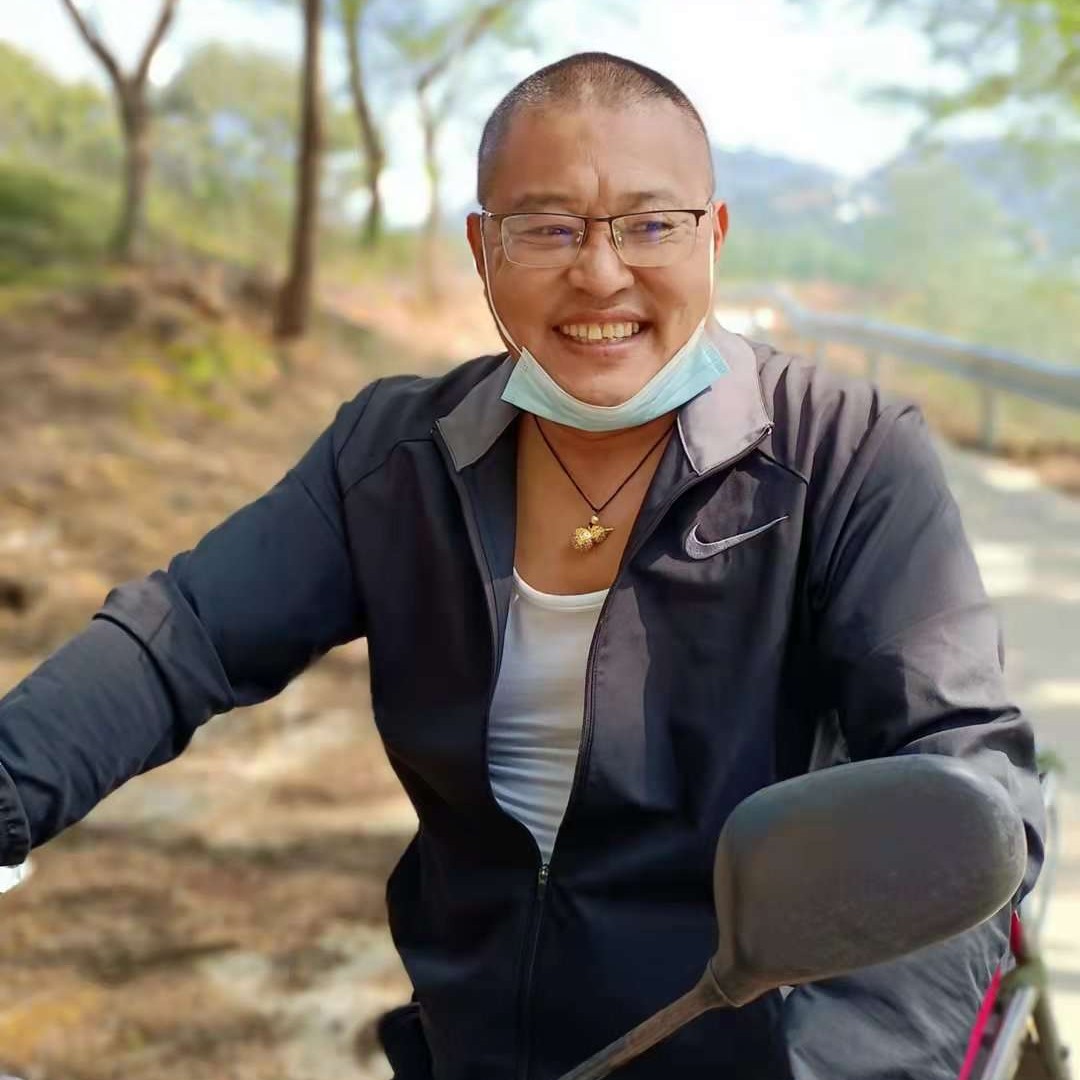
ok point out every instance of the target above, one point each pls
(649, 238)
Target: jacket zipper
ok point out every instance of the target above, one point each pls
(532, 938)
(586, 749)
(525, 990)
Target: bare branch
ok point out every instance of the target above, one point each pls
(161, 27)
(93, 39)
(483, 19)
(107, 57)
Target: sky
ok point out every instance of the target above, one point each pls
(771, 74)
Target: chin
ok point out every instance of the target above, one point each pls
(606, 392)
(603, 380)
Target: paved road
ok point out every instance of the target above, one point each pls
(1027, 541)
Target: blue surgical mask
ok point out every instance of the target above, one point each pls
(693, 368)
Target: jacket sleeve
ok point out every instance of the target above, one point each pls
(909, 661)
(229, 623)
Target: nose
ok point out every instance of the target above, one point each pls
(598, 269)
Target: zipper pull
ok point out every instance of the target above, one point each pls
(542, 877)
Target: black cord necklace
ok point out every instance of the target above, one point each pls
(589, 536)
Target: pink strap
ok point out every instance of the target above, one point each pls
(987, 1006)
(975, 1042)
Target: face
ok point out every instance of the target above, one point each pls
(599, 162)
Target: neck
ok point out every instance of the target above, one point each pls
(574, 441)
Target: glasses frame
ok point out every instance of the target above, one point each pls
(583, 235)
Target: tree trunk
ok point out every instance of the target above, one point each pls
(431, 120)
(294, 301)
(134, 112)
(429, 249)
(128, 239)
(374, 151)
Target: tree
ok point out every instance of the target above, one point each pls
(294, 301)
(134, 111)
(353, 13)
(434, 49)
(45, 120)
(1013, 52)
(228, 120)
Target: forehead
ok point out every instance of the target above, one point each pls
(590, 158)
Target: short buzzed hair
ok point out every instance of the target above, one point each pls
(584, 78)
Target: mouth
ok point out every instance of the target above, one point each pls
(602, 335)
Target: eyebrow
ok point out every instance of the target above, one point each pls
(558, 202)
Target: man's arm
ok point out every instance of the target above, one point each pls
(909, 656)
(228, 623)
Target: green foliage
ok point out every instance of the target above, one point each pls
(1031, 973)
(223, 169)
(806, 253)
(1024, 52)
(938, 230)
(226, 145)
(49, 121)
(46, 219)
(954, 261)
(940, 250)
(226, 138)
(251, 93)
(395, 258)
(435, 41)
(1047, 761)
(191, 369)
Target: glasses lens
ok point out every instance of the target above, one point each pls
(657, 237)
(541, 239)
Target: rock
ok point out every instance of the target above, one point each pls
(19, 594)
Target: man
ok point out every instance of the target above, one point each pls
(612, 583)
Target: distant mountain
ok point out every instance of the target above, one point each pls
(1037, 189)
(768, 191)
(789, 219)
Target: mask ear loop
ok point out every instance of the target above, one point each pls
(712, 262)
(712, 287)
(514, 347)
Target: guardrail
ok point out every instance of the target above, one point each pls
(995, 371)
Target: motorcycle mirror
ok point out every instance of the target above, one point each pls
(840, 869)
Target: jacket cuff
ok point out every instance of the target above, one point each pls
(14, 828)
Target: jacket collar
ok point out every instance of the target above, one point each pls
(714, 427)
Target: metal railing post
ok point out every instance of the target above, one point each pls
(873, 366)
(990, 417)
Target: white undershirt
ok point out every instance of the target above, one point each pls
(537, 713)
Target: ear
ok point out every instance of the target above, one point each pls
(720, 226)
(475, 234)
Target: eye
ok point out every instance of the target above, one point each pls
(550, 231)
(649, 228)
(543, 230)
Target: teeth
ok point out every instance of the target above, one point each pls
(600, 331)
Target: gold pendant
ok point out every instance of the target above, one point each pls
(585, 539)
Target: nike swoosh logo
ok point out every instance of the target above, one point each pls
(697, 548)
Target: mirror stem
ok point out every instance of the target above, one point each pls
(647, 1034)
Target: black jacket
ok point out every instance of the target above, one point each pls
(843, 604)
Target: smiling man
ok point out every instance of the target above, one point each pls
(613, 581)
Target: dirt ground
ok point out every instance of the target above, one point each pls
(222, 917)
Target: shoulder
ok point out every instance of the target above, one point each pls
(396, 410)
(824, 419)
